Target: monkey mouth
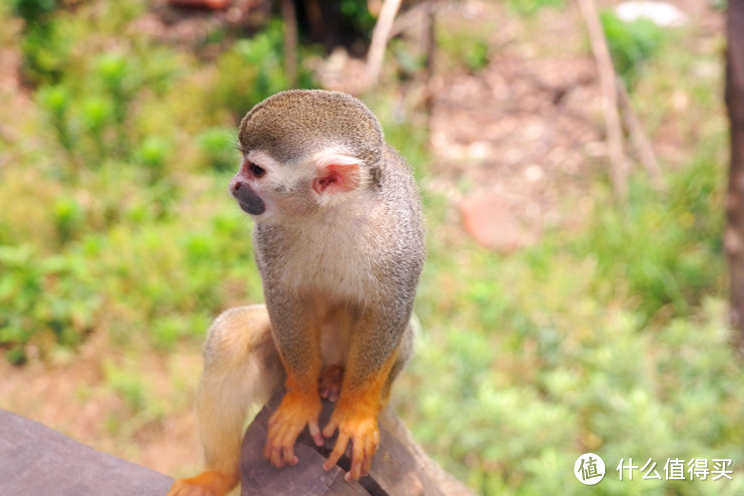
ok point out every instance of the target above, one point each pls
(250, 202)
(255, 207)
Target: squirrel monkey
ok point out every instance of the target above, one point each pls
(339, 243)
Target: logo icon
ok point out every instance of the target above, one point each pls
(589, 469)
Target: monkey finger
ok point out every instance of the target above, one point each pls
(273, 420)
(285, 447)
(373, 445)
(289, 456)
(268, 449)
(367, 464)
(276, 444)
(338, 451)
(330, 428)
(273, 442)
(357, 458)
(315, 433)
(276, 457)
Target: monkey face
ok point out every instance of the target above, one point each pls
(242, 190)
(270, 190)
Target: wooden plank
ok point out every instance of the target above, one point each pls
(38, 461)
(260, 478)
(394, 472)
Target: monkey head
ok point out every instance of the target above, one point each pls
(304, 151)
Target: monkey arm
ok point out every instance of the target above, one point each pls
(295, 331)
(374, 353)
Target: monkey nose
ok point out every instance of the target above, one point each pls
(247, 198)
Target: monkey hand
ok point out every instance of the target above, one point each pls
(209, 483)
(296, 411)
(358, 423)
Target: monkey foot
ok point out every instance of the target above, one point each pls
(358, 424)
(205, 484)
(330, 382)
(296, 411)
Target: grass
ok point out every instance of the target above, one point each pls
(611, 340)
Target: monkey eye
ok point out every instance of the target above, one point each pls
(257, 171)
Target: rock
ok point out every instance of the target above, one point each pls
(488, 218)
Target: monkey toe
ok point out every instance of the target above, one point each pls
(363, 450)
(294, 413)
(361, 429)
(205, 484)
(279, 448)
(330, 382)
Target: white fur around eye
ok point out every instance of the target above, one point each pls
(275, 174)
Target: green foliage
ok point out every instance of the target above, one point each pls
(589, 342)
(219, 148)
(91, 121)
(466, 45)
(721, 5)
(607, 338)
(356, 13)
(253, 69)
(154, 153)
(630, 43)
(611, 338)
(69, 217)
(44, 49)
(667, 249)
(33, 11)
(531, 7)
(43, 300)
(410, 63)
(109, 234)
(56, 101)
(120, 80)
(128, 383)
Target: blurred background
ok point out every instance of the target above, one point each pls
(558, 317)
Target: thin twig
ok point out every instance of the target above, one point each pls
(638, 137)
(413, 16)
(607, 77)
(376, 53)
(290, 42)
(429, 42)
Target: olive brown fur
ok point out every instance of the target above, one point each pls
(317, 117)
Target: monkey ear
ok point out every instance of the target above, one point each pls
(338, 176)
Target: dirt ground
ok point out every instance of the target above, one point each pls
(519, 135)
(522, 133)
(73, 397)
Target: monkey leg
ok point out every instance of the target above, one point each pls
(300, 407)
(296, 334)
(404, 355)
(330, 382)
(367, 376)
(241, 368)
